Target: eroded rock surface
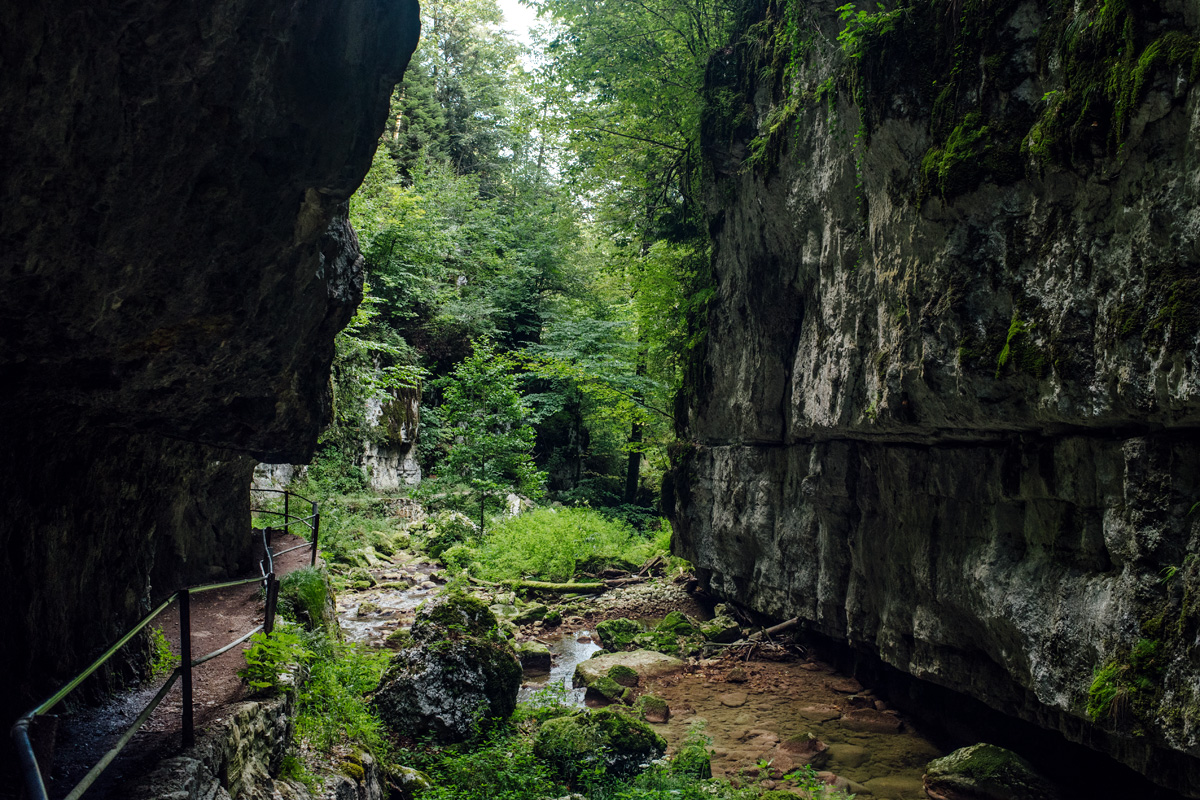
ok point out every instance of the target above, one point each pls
(174, 263)
(946, 411)
(456, 678)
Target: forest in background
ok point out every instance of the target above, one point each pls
(536, 262)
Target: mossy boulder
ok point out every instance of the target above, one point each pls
(453, 612)
(534, 656)
(654, 708)
(624, 675)
(457, 678)
(608, 738)
(677, 624)
(645, 663)
(606, 688)
(986, 772)
(306, 596)
(530, 613)
(722, 629)
(617, 634)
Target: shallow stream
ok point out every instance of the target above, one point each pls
(756, 714)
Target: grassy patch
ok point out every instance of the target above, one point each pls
(555, 544)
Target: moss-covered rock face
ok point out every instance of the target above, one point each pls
(609, 739)
(986, 772)
(455, 679)
(617, 634)
(453, 613)
(624, 675)
(953, 351)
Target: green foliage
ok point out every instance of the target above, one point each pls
(304, 596)
(1124, 687)
(551, 544)
(503, 767)
(331, 708)
(618, 634)
(163, 659)
(270, 659)
(1020, 350)
(495, 440)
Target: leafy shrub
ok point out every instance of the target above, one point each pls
(270, 658)
(304, 597)
(448, 528)
(331, 708)
(551, 544)
(162, 658)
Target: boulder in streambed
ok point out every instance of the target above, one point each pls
(457, 676)
(617, 634)
(985, 772)
(609, 739)
(646, 663)
(533, 655)
(870, 720)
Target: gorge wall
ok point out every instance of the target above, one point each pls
(175, 260)
(947, 407)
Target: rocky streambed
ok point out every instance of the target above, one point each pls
(763, 717)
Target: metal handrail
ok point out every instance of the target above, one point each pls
(34, 783)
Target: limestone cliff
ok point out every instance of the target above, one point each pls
(946, 409)
(174, 263)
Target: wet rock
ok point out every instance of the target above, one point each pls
(529, 614)
(720, 629)
(985, 772)
(859, 701)
(804, 750)
(533, 655)
(606, 739)
(624, 675)
(605, 688)
(457, 677)
(844, 685)
(819, 712)
(733, 699)
(737, 675)
(654, 709)
(871, 721)
(647, 664)
(894, 786)
(617, 634)
(366, 608)
(407, 783)
(848, 756)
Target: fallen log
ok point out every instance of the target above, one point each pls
(782, 627)
(568, 588)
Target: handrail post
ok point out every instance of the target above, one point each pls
(272, 600)
(287, 519)
(35, 787)
(185, 662)
(316, 528)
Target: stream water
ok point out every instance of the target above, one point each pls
(758, 714)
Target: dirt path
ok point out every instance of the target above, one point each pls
(217, 617)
